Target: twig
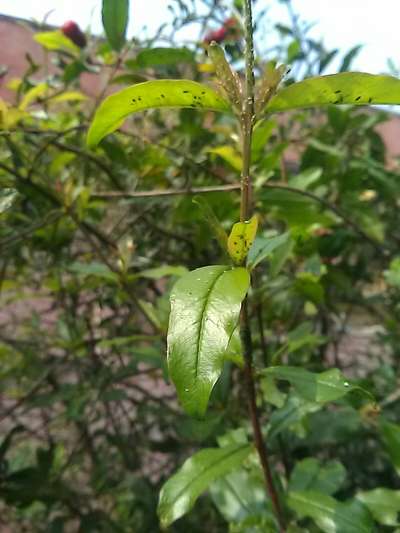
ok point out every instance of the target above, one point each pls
(247, 121)
(167, 192)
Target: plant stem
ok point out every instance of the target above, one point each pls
(247, 118)
(247, 122)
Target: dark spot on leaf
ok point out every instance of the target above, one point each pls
(358, 98)
(339, 100)
(338, 91)
(185, 92)
(370, 99)
(133, 100)
(163, 96)
(241, 237)
(235, 243)
(203, 92)
(139, 98)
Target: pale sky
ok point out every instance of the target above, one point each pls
(342, 23)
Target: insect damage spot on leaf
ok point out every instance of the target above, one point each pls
(338, 91)
(358, 98)
(241, 238)
(369, 99)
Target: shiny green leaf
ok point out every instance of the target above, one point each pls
(384, 505)
(324, 387)
(151, 94)
(180, 492)
(115, 14)
(329, 514)
(205, 306)
(263, 247)
(354, 88)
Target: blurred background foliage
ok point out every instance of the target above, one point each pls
(91, 242)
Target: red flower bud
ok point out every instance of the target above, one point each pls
(218, 36)
(71, 30)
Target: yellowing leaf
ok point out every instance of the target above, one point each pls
(14, 84)
(241, 238)
(205, 67)
(229, 154)
(55, 40)
(32, 95)
(71, 96)
(9, 116)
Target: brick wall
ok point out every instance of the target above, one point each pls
(16, 39)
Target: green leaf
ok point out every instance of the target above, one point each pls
(227, 77)
(115, 14)
(348, 58)
(263, 247)
(151, 94)
(329, 514)
(291, 415)
(392, 276)
(180, 492)
(325, 387)
(310, 474)
(161, 57)
(163, 271)
(212, 220)
(93, 269)
(391, 437)
(262, 132)
(302, 336)
(384, 505)
(7, 198)
(205, 306)
(354, 88)
(271, 393)
(306, 178)
(56, 40)
(241, 495)
(294, 208)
